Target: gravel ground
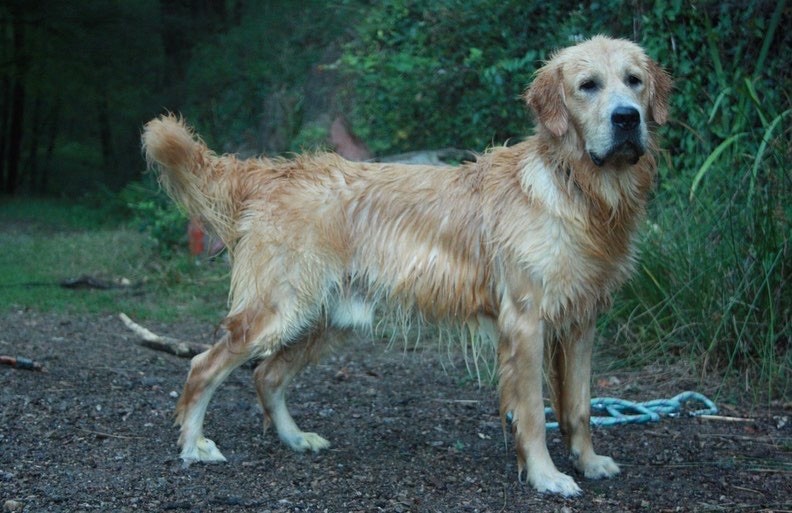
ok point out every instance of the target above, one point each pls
(409, 433)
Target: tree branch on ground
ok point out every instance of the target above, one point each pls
(170, 345)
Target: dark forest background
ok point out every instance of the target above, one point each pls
(79, 78)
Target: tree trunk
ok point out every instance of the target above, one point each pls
(6, 55)
(52, 136)
(5, 102)
(176, 43)
(14, 150)
(15, 138)
(31, 164)
(106, 141)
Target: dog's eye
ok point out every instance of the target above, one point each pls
(589, 86)
(634, 81)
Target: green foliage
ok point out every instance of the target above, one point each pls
(156, 215)
(55, 214)
(311, 137)
(729, 71)
(87, 74)
(432, 74)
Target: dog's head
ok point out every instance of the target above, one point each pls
(606, 91)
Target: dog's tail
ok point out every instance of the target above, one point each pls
(200, 181)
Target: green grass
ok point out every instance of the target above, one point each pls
(46, 242)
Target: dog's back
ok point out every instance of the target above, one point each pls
(411, 235)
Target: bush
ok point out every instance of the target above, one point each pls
(433, 74)
(152, 212)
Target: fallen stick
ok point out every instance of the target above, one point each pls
(159, 343)
(21, 363)
(724, 418)
(91, 282)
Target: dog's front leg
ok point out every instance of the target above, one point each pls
(569, 372)
(520, 383)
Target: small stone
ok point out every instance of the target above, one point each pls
(151, 381)
(12, 505)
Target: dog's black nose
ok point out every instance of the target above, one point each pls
(626, 118)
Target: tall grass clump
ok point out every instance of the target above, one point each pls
(712, 282)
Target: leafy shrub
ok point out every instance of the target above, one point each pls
(311, 137)
(153, 213)
(432, 74)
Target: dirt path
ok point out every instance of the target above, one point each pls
(95, 434)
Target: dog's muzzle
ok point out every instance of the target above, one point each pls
(627, 142)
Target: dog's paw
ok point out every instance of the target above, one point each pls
(553, 481)
(303, 441)
(597, 467)
(203, 450)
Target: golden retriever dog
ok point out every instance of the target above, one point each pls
(529, 242)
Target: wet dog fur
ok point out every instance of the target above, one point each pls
(529, 241)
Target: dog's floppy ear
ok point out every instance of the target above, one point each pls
(546, 98)
(659, 90)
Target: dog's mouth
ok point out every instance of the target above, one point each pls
(628, 151)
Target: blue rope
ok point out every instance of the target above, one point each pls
(620, 411)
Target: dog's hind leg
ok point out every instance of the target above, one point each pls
(249, 333)
(272, 377)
